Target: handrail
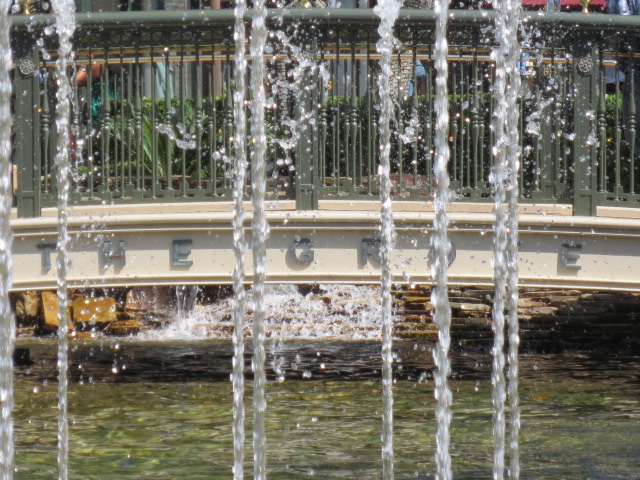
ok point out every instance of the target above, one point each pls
(326, 16)
(581, 153)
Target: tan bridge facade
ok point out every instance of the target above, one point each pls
(171, 244)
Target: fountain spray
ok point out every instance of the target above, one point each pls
(388, 11)
(497, 179)
(260, 231)
(7, 327)
(240, 168)
(65, 26)
(513, 8)
(441, 247)
(504, 180)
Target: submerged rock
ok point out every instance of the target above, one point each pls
(125, 327)
(22, 357)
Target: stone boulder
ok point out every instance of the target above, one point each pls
(27, 307)
(149, 299)
(49, 320)
(94, 310)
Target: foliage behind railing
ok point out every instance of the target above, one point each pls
(577, 141)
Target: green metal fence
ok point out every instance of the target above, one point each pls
(152, 117)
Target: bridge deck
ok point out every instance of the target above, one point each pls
(168, 244)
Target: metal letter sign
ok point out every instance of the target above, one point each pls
(370, 247)
(109, 254)
(306, 255)
(569, 256)
(179, 251)
(46, 254)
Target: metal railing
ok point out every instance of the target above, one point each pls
(152, 117)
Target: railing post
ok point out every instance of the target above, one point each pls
(584, 118)
(547, 151)
(306, 192)
(27, 142)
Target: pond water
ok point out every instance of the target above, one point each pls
(163, 410)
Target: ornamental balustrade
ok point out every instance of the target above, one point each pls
(153, 119)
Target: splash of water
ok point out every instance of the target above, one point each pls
(183, 139)
(240, 168)
(388, 11)
(293, 81)
(65, 26)
(338, 312)
(7, 322)
(186, 297)
(441, 246)
(260, 231)
(504, 179)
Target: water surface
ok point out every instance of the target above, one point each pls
(163, 410)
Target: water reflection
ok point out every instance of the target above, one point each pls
(165, 412)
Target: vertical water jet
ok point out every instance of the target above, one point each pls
(505, 184)
(240, 168)
(259, 228)
(497, 179)
(388, 11)
(65, 27)
(441, 246)
(7, 325)
(514, 8)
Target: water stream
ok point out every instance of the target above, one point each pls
(259, 228)
(388, 11)
(497, 179)
(7, 323)
(504, 180)
(65, 28)
(239, 247)
(514, 52)
(441, 246)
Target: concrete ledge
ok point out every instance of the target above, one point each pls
(373, 205)
(619, 212)
(134, 221)
(162, 208)
(454, 207)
